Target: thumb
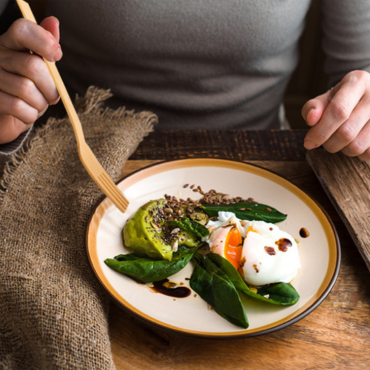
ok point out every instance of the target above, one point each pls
(313, 110)
(51, 24)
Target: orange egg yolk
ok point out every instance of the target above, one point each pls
(233, 247)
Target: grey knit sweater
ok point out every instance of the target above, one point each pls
(205, 64)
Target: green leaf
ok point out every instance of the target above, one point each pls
(246, 211)
(189, 225)
(214, 286)
(279, 293)
(147, 270)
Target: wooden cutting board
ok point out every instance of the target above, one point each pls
(347, 183)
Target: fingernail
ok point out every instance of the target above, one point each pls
(55, 19)
(55, 101)
(308, 144)
(308, 116)
(310, 111)
(58, 55)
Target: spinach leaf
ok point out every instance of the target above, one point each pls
(147, 270)
(278, 293)
(246, 211)
(189, 225)
(283, 293)
(214, 286)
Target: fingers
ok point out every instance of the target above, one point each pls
(340, 118)
(350, 130)
(29, 67)
(360, 146)
(341, 102)
(51, 24)
(11, 128)
(18, 108)
(24, 35)
(26, 87)
(365, 156)
(23, 88)
(313, 110)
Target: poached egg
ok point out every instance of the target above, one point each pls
(260, 251)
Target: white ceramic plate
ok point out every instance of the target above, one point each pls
(319, 253)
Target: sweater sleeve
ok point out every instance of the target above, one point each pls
(346, 37)
(12, 147)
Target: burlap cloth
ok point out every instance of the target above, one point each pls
(53, 311)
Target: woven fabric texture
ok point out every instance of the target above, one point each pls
(53, 310)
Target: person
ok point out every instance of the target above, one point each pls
(197, 64)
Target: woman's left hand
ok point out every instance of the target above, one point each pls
(340, 118)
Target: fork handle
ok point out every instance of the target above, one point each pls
(71, 111)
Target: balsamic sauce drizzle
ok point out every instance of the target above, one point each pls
(176, 291)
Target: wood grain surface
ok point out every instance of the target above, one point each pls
(229, 144)
(334, 336)
(347, 183)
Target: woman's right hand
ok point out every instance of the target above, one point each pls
(26, 87)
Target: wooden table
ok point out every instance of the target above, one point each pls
(334, 336)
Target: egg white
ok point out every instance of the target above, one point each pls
(224, 219)
(217, 240)
(262, 261)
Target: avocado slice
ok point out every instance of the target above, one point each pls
(143, 232)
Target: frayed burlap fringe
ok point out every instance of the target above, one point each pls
(53, 311)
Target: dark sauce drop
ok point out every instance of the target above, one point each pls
(176, 292)
(304, 233)
(283, 244)
(271, 251)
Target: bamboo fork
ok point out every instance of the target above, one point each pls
(87, 157)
